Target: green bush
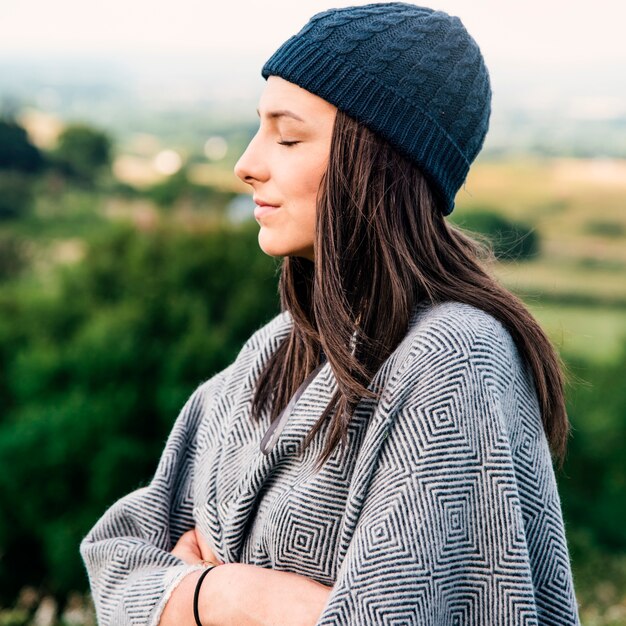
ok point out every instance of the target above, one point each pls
(13, 256)
(96, 373)
(592, 487)
(511, 241)
(605, 228)
(16, 194)
(595, 470)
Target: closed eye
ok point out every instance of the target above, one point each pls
(288, 143)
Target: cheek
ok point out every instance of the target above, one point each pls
(308, 177)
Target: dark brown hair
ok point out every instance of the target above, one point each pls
(382, 247)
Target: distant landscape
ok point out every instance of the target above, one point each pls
(128, 276)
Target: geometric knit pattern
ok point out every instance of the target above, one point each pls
(443, 510)
(412, 74)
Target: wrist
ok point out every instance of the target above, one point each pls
(210, 602)
(178, 607)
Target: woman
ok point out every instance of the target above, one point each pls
(380, 452)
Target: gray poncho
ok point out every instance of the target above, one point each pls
(443, 509)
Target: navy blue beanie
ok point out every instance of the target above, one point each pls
(411, 74)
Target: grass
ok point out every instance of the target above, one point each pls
(586, 331)
(565, 281)
(577, 287)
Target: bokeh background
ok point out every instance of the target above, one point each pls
(130, 269)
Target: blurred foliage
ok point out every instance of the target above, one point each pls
(19, 161)
(13, 256)
(96, 372)
(16, 194)
(592, 487)
(511, 240)
(16, 150)
(593, 493)
(178, 188)
(82, 152)
(167, 192)
(15, 617)
(605, 228)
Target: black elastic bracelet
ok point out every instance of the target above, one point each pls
(196, 595)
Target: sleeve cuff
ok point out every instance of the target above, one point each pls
(171, 579)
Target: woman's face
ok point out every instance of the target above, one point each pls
(284, 163)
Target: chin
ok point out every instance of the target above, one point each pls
(280, 249)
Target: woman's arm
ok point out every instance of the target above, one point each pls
(239, 594)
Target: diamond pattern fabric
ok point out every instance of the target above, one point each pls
(443, 510)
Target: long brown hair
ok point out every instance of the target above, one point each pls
(382, 247)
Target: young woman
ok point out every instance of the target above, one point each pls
(381, 451)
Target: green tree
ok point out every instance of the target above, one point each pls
(177, 187)
(167, 192)
(16, 150)
(83, 152)
(20, 160)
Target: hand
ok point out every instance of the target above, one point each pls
(193, 548)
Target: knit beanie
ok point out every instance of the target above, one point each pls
(411, 74)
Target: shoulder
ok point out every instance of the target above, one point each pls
(457, 322)
(447, 338)
(460, 327)
(458, 381)
(264, 341)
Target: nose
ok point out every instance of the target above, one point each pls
(250, 167)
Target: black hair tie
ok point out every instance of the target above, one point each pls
(196, 594)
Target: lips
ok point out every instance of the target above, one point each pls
(261, 202)
(263, 208)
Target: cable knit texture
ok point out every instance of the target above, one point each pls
(412, 74)
(442, 510)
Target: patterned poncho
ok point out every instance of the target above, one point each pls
(442, 510)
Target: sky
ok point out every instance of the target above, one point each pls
(553, 32)
(532, 48)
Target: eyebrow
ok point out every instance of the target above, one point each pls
(281, 113)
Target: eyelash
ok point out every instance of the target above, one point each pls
(288, 143)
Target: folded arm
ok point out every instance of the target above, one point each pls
(238, 594)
